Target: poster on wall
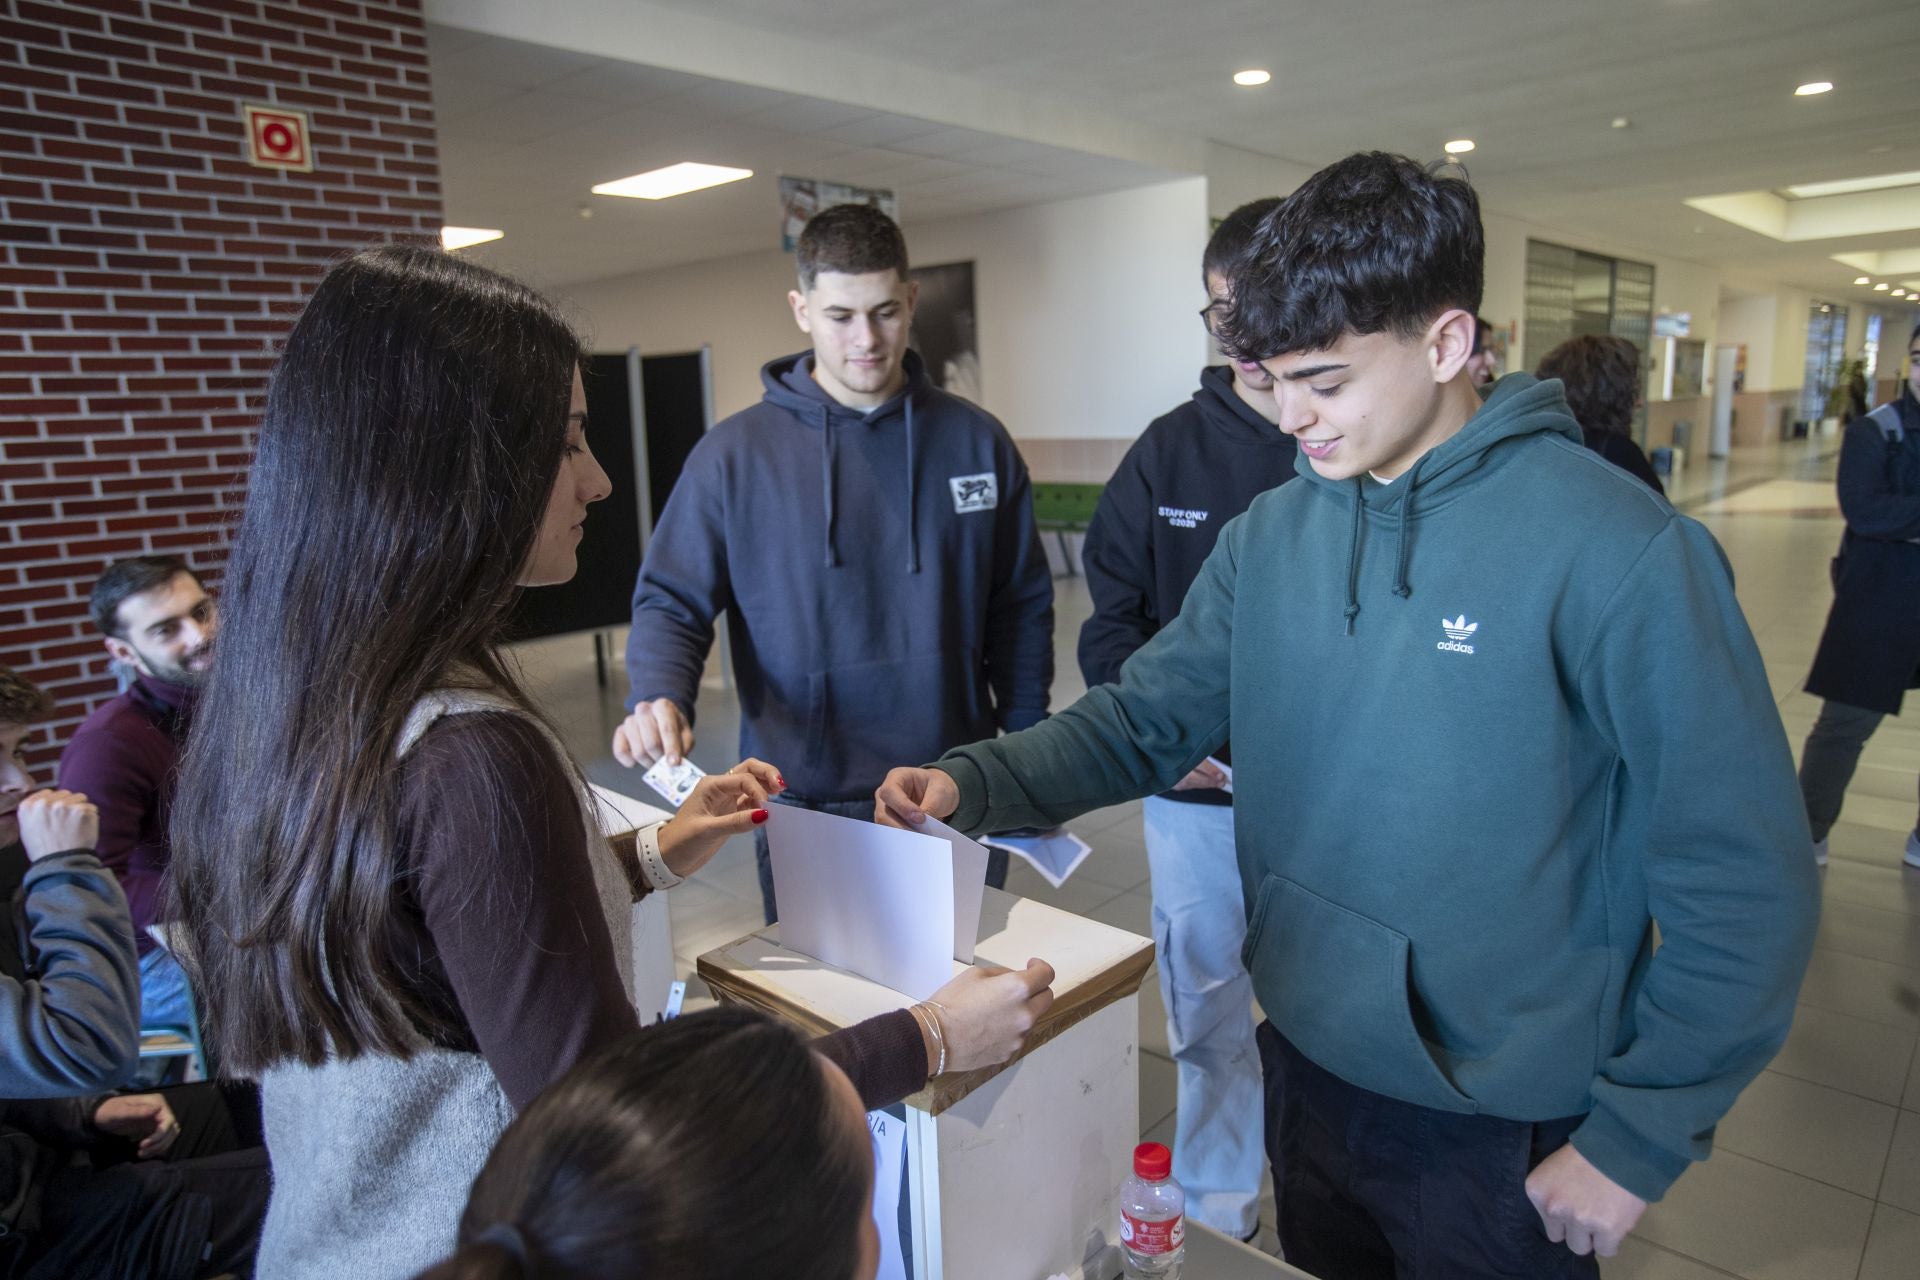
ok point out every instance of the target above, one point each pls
(944, 330)
(801, 198)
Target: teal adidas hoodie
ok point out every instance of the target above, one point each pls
(1490, 723)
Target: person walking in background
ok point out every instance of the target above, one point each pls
(1600, 375)
(1188, 474)
(1869, 654)
(870, 539)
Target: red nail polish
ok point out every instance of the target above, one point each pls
(759, 816)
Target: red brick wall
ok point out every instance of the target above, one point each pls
(147, 271)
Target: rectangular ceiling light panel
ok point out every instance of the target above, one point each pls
(674, 180)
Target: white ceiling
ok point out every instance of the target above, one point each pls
(526, 131)
(1707, 85)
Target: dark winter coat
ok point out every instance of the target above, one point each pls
(1869, 655)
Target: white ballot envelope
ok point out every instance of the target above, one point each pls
(1224, 768)
(873, 900)
(1055, 854)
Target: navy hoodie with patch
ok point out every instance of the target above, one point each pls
(1190, 472)
(886, 592)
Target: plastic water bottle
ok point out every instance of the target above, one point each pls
(1153, 1217)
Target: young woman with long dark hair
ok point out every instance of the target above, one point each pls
(398, 909)
(716, 1146)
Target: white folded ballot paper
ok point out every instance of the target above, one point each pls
(897, 907)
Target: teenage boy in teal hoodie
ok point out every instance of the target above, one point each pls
(1495, 711)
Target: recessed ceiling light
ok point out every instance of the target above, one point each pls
(1861, 280)
(1882, 287)
(1899, 293)
(674, 180)
(1816, 86)
(1251, 77)
(461, 237)
(1852, 186)
(1621, 122)
(1459, 146)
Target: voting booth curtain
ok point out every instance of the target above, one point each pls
(644, 416)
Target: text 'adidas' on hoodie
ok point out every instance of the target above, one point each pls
(886, 591)
(1491, 722)
(1189, 473)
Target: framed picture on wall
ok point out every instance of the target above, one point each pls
(944, 328)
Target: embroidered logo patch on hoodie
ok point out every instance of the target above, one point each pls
(975, 493)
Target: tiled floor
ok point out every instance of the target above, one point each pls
(1816, 1173)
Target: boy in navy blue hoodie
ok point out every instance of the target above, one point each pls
(1189, 473)
(871, 540)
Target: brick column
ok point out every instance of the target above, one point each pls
(149, 271)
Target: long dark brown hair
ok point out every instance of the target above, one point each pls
(709, 1146)
(409, 444)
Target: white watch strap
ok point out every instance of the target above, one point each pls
(652, 865)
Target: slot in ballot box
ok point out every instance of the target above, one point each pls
(1012, 1171)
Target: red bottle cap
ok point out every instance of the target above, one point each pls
(1152, 1162)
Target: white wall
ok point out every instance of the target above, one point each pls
(1235, 177)
(1086, 309)
(1750, 321)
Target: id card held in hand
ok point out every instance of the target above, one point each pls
(674, 781)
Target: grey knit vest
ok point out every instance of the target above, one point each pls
(373, 1157)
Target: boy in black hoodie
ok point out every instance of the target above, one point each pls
(1193, 470)
(871, 540)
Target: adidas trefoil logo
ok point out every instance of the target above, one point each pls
(1459, 631)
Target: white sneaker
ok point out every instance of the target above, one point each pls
(1819, 853)
(1912, 857)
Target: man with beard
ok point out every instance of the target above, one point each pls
(159, 623)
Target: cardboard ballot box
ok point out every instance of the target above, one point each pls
(1012, 1171)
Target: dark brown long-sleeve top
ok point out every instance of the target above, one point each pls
(504, 923)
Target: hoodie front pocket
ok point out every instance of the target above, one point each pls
(865, 718)
(1335, 984)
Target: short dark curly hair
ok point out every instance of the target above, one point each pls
(1602, 376)
(22, 701)
(1372, 243)
(851, 238)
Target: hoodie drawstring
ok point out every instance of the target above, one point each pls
(1353, 560)
(913, 524)
(826, 481)
(1403, 544)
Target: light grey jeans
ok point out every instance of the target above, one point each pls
(1828, 761)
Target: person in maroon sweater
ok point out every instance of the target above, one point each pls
(391, 895)
(159, 624)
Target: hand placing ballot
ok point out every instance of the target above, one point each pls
(909, 797)
(721, 805)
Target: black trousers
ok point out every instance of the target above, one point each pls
(1372, 1188)
(196, 1212)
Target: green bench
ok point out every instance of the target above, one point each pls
(1062, 509)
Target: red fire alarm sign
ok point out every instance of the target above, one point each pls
(277, 139)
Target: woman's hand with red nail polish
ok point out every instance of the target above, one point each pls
(722, 805)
